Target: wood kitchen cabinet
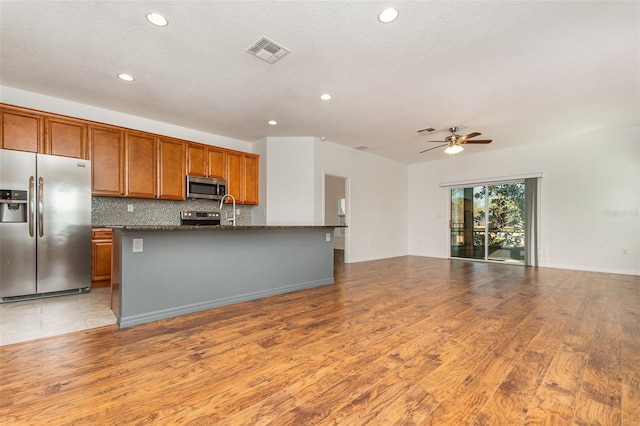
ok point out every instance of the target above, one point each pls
(171, 169)
(106, 147)
(242, 177)
(140, 165)
(216, 162)
(101, 249)
(21, 130)
(66, 138)
(126, 162)
(196, 159)
(206, 161)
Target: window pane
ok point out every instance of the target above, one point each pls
(467, 222)
(506, 222)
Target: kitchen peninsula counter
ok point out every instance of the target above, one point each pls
(187, 268)
(213, 228)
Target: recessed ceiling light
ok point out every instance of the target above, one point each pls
(126, 77)
(157, 19)
(325, 96)
(272, 122)
(388, 15)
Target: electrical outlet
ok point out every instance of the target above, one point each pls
(625, 251)
(137, 245)
(328, 236)
(129, 207)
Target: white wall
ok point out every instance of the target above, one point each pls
(259, 214)
(590, 198)
(377, 200)
(32, 100)
(289, 181)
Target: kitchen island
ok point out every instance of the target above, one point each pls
(164, 271)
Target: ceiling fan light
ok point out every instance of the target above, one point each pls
(453, 149)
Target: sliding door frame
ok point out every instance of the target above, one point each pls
(498, 181)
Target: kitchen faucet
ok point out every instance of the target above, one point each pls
(233, 200)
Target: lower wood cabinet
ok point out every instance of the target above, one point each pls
(101, 249)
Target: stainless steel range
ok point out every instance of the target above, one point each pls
(192, 217)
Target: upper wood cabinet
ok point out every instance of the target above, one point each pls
(251, 179)
(206, 161)
(21, 131)
(196, 159)
(216, 162)
(242, 177)
(140, 165)
(171, 169)
(67, 138)
(129, 163)
(107, 161)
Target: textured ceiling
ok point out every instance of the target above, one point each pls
(518, 72)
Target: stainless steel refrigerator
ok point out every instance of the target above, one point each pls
(45, 225)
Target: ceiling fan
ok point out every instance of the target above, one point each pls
(454, 141)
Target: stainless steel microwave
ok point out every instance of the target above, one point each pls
(209, 188)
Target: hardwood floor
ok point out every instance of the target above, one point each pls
(407, 340)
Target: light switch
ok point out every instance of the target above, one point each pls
(137, 245)
(328, 236)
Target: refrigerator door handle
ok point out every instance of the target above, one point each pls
(31, 205)
(40, 207)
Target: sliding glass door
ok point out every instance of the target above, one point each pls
(498, 235)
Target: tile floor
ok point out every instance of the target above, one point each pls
(35, 319)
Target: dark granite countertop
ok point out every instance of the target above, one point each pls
(213, 228)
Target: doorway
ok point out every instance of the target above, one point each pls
(488, 222)
(336, 212)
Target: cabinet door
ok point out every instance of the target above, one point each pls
(251, 179)
(171, 169)
(21, 131)
(140, 165)
(101, 260)
(234, 176)
(65, 137)
(196, 159)
(216, 163)
(107, 159)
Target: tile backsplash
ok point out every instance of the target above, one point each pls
(114, 211)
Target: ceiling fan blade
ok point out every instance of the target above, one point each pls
(440, 146)
(469, 136)
(478, 141)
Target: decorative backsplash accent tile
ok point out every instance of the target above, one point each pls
(115, 211)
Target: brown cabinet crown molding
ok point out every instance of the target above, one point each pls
(128, 162)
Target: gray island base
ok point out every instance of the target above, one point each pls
(184, 269)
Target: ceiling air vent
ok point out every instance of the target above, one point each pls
(428, 130)
(267, 50)
(361, 147)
